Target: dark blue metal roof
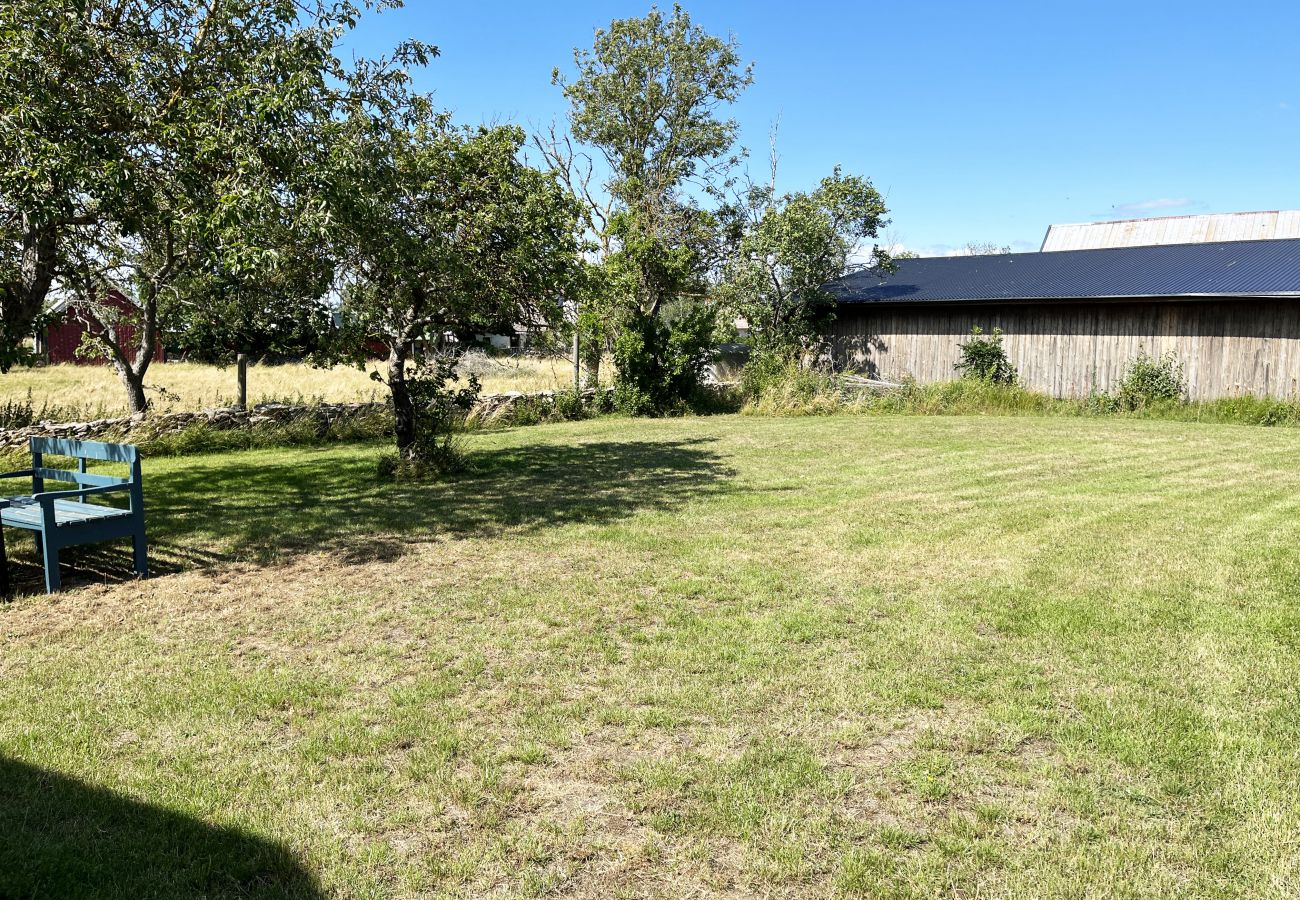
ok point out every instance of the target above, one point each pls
(1230, 269)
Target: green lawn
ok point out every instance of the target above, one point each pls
(723, 656)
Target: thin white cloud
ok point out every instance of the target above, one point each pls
(893, 248)
(1152, 205)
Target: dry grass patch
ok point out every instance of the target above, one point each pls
(89, 391)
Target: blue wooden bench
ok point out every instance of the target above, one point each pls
(66, 518)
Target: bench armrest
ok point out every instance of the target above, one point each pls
(22, 473)
(51, 496)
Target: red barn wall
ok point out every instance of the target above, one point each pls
(63, 337)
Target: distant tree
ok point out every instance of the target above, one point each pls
(789, 247)
(167, 147)
(282, 315)
(984, 248)
(441, 230)
(63, 126)
(646, 96)
(594, 297)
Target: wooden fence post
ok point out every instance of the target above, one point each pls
(577, 362)
(241, 366)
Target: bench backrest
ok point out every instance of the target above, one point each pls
(85, 449)
(82, 451)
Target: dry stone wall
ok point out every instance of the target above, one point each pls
(490, 408)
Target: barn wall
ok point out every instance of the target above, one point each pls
(63, 337)
(1228, 348)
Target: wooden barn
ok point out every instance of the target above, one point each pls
(59, 341)
(1073, 320)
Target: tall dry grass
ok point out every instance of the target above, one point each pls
(90, 391)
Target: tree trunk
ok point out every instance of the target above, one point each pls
(592, 351)
(577, 359)
(403, 409)
(134, 384)
(130, 370)
(23, 299)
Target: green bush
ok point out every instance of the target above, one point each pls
(659, 366)
(764, 370)
(568, 406)
(440, 410)
(562, 406)
(1151, 379)
(785, 388)
(983, 358)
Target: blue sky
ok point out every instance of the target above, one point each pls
(978, 121)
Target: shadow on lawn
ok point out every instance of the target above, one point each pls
(65, 838)
(335, 501)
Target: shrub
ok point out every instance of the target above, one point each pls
(983, 358)
(439, 410)
(660, 365)
(764, 370)
(1151, 379)
(560, 406)
(568, 406)
(782, 387)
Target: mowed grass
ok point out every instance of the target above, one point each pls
(728, 656)
(94, 391)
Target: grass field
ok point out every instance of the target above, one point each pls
(726, 656)
(95, 392)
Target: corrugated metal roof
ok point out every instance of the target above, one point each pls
(1267, 225)
(1229, 269)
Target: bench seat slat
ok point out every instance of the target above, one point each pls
(66, 512)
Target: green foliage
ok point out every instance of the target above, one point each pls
(789, 247)
(443, 230)
(776, 385)
(764, 369)
(646, 97)
(562, 406)
(280, 316)
(438, 409)
(1151, 379)
(660, 365)
(170, 150)
(569, 405)
(773, 379)
(983, 358)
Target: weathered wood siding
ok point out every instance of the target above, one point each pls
(1228, 348)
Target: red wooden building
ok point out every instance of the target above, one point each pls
(62, 337)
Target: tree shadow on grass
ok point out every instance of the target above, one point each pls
(212, 510)
(60, 837)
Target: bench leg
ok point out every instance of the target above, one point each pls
(50, 556)
(141, 548)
